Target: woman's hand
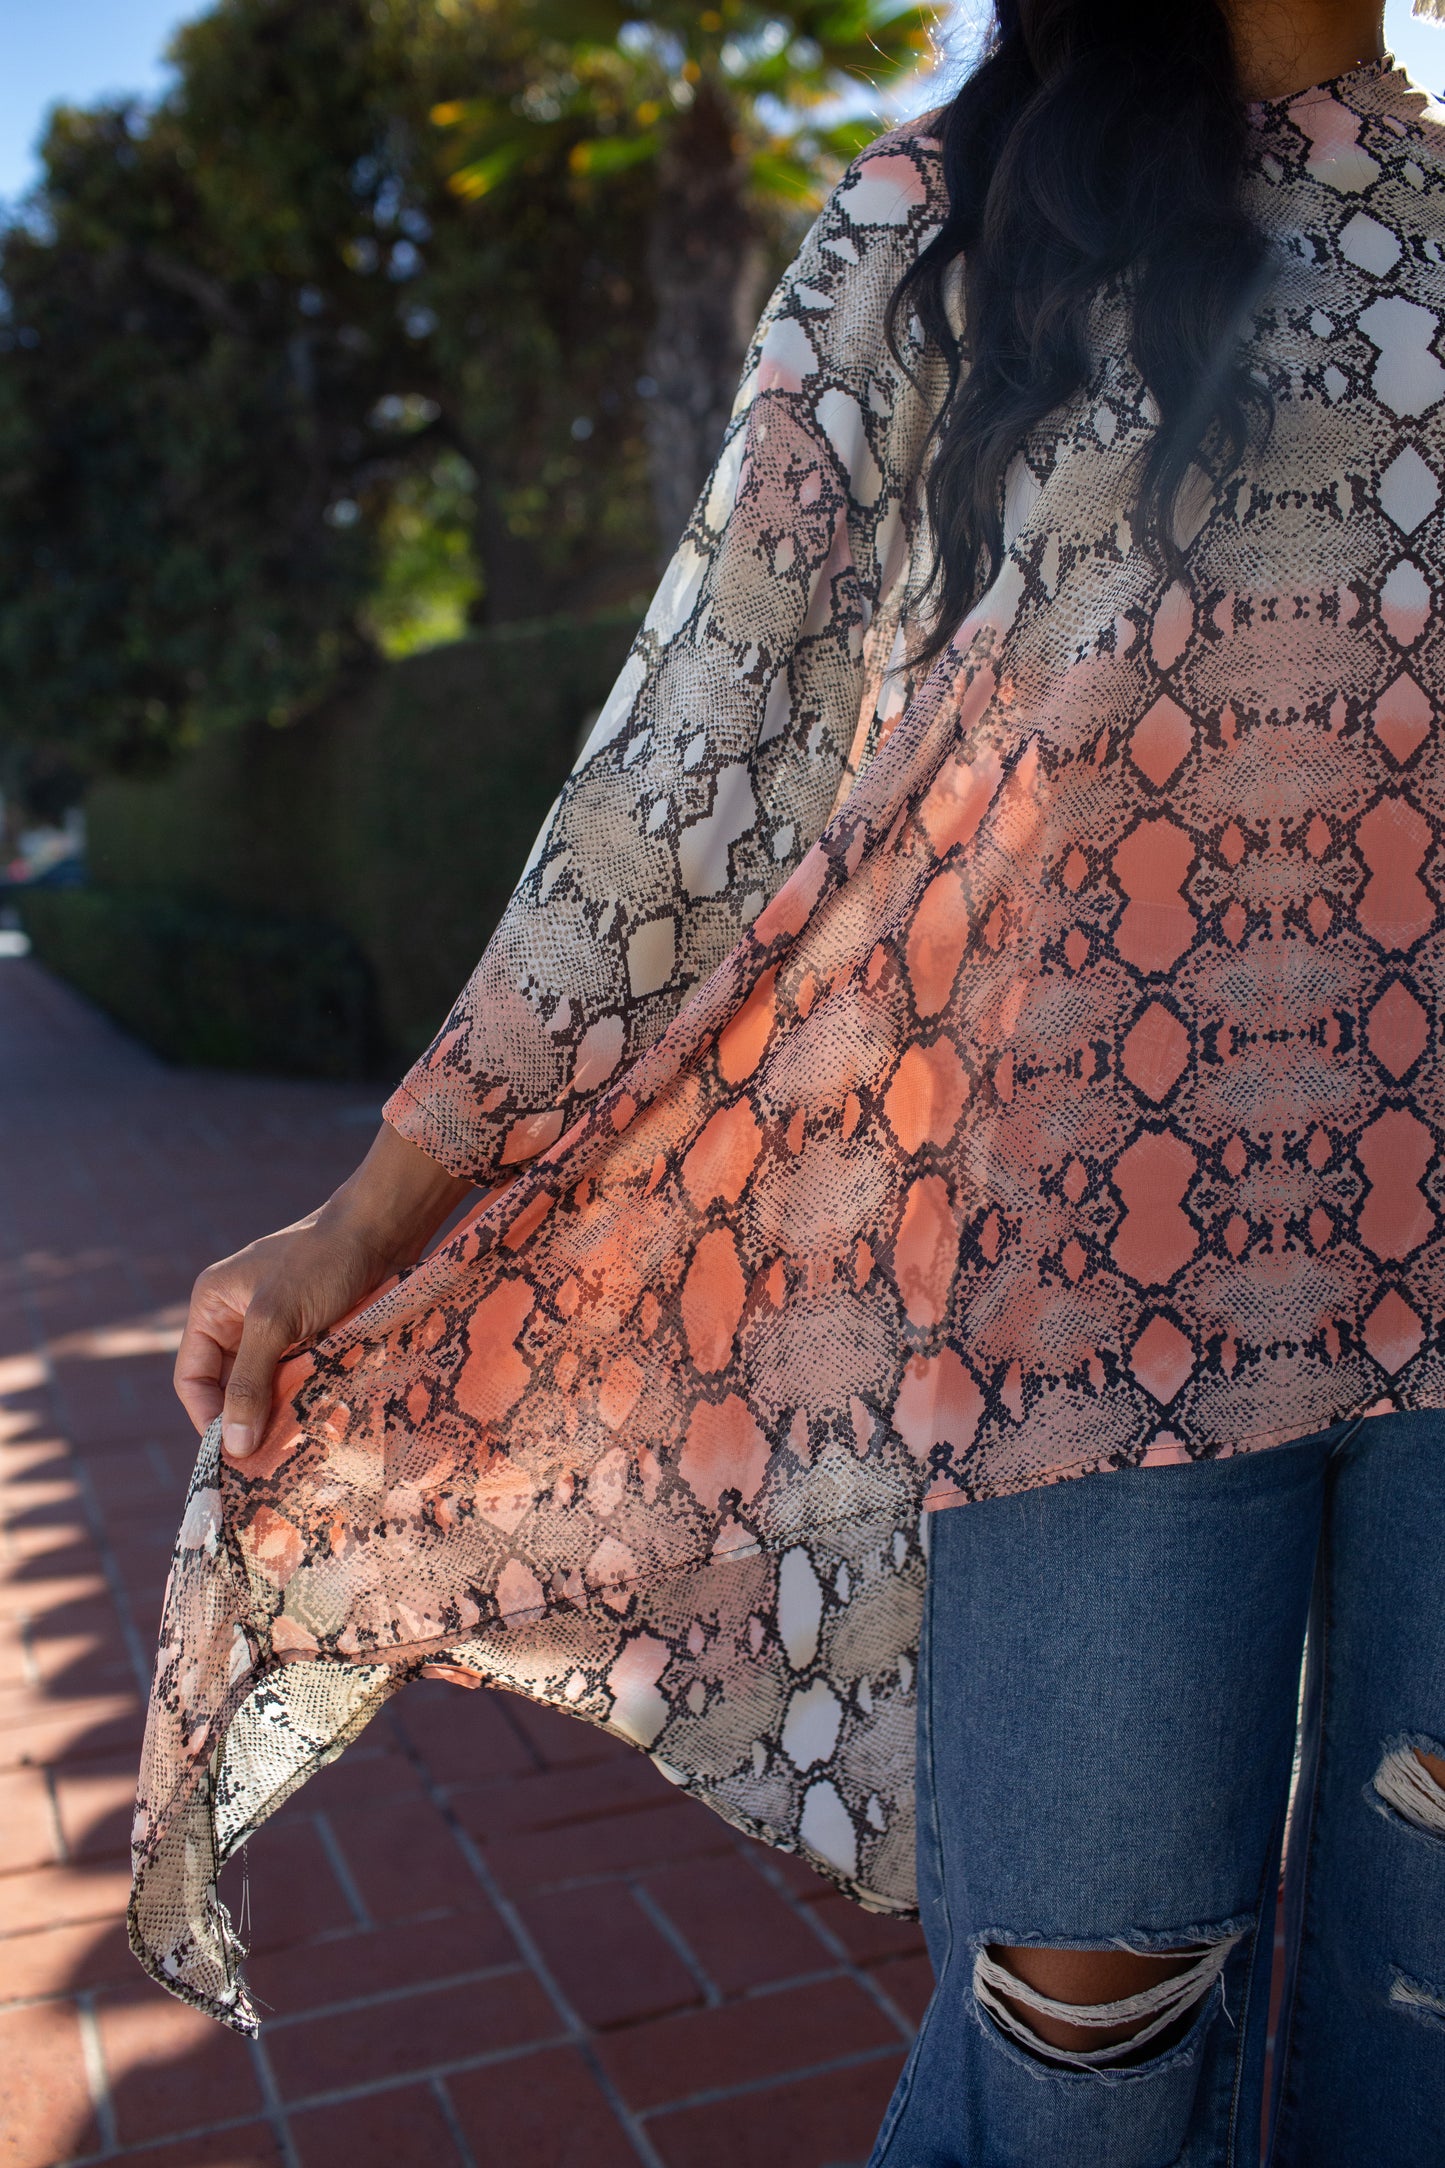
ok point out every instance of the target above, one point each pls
(247, 1310)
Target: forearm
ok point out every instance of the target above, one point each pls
(396, 1199)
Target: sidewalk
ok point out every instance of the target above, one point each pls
(488, 1935)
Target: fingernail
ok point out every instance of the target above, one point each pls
(236, 1439)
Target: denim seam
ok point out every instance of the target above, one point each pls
(1285, 2035)
(931, 1837)
(1269, 1877)
(1342, 1445)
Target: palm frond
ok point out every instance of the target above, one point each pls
(481, 175)
(778, 174)
(601, 155)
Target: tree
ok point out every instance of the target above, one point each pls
(252, 342)
(731, 108)
(288, 373)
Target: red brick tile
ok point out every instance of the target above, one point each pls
(14, 1663)
(559, 1739)
(553, 1798)
(375, 1961)
(57, 1896)
(253, 2146)
(614, 1844)
(462, 1736)
(607, 1957)
(410, 2033)
(24, 1598)
(764, 2036)
(810, 2123)
(405, 1860)
(170, 2068)
(545, 2111)
(64, 1635)
(868, 1937)
(294, 1894)
(85, 1674)
(371, 1771)
(45, 2110)
(44, 1529)
(96, 1807)
(74, 1731)
(741, 1931)
(404, 2129)
(131, 1484)
(908, 1981)
(804, 1881)
(53, 1959)
(27, 1826)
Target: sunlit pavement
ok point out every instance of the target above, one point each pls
(486, 1935)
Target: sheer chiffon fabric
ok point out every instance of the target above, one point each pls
(889, 1087)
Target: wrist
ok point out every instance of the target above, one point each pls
(394, 1202)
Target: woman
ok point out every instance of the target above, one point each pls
(970, 1021)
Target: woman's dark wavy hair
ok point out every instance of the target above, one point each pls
(1098, 142)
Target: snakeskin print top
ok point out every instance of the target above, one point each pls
(893, 1088)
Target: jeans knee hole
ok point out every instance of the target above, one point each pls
(1156, 2013)
(1406, 1784)
(1427, 2004)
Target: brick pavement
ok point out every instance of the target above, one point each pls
(487, 1934)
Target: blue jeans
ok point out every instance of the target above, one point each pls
(1108, 1690)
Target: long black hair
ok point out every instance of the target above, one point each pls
(1096, 143)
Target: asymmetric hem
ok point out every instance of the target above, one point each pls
(891, 1088)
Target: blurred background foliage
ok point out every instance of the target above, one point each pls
(393, 323)
(394, 318)
(733, 112)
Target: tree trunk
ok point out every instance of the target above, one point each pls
(706, 263)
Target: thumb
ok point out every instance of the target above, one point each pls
(265, 1335)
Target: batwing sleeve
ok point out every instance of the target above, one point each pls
(721, 749)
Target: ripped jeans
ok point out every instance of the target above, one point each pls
(1108, 1691)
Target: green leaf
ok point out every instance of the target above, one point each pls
(775, 173)
(481, 175)
(612, 154)
(847, 138)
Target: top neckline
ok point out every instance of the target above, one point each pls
(1382, 70)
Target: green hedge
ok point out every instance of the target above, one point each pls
(204, 984)
(401, 816)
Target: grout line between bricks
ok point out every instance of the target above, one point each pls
(761, 1989)
(519, 1732)
(135, 1648)
(647, 1903)
(716, 2094)
(511, 1917)
(452, 2120)
(272, 2105)
(160, 1467)
(396, 2081)
(148, 2145)
(836, 1947)
(30, 1662)
(80, 1475)
(57, 1828)
(340, 1867)
(604, 1878)
(283, 2022)
(96, 2075)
